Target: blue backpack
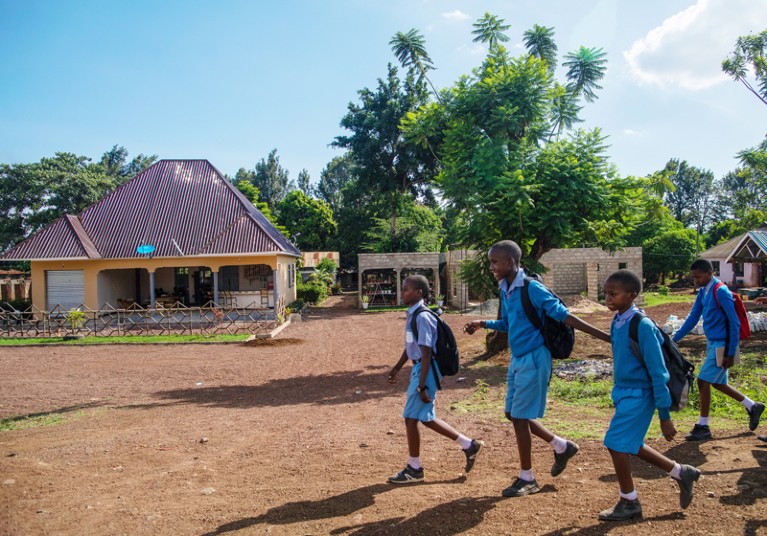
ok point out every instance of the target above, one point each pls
(446, 354)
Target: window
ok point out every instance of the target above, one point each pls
(737, 269)
(291, 275)
(623, 265)
(715, 265)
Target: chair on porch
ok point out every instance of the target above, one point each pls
(264, 297)
(225, 297)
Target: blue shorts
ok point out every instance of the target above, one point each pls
(415, 408)
(528, 384)
(709, 371)
(634, 410)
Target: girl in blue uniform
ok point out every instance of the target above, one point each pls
(639, 389)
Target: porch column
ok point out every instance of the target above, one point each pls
(398, 285)
(436, 282)
(151, 289)
(215, 287)
(360, 290)
(275, 279)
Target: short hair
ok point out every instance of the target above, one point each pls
(702, 265)
(510, 248)
(421, 283)
(627, 280)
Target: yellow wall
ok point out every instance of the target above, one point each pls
(91, 268)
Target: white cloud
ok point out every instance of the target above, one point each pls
(456, 15)
(632, 132)
(687, 49)
(474, 49)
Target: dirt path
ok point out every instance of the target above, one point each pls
(297, 436)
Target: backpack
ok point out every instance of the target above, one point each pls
(680, 370)
(446, 354)
(558, 337)
(740, 310)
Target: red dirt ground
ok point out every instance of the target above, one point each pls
(297, 436)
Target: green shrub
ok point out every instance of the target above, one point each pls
(312, 293)
(296, 305)
(663, 290)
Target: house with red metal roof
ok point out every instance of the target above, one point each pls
(177, 232)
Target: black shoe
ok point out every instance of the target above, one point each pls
(407, 476)
(762, 438)
(471, 454)
(560, 460)
(520, 488)
(622, 511)
(687, 478)
(754, 415)
(699, 432)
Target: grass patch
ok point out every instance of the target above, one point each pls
(652, 299)
(132, 339)
(585, 392)
(30, 421)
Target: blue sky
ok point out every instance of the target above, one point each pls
(230, 80)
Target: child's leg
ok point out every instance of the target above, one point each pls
(537, 429)
(622, 464)
(684, 475)
(728, 390)
(413, 438)
(442, 428)
(652, 456)
(524, 443)
(704, 395)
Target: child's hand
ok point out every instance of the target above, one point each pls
(727, 362)
(425, 397)
(668, 430)
(471, 327)
(393, 375)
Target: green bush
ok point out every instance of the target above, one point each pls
(312, 293)
(296, 305)
(663, 290)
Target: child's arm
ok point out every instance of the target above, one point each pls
(577, 323)
(395, 369)
(650, 346)
(727, 303)
(425, 369)
(692, 318)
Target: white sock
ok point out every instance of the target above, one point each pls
(632, 496)
(464, 441)
(559, 444)
(748, 403)
(703, 421)
(527, 475)
(676, 472)
(415, 463)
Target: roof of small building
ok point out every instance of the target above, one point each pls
(181, 207)
(727, 249)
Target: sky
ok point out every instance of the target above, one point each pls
(230, 80)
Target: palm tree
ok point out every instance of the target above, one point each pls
(749, 56)
(410, 50)
(489, 29)
(585, 68)
(564, 111)
(540, 43)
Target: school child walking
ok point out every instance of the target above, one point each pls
(422, 391)
(722, 327)
(639, 389)
(530, 365)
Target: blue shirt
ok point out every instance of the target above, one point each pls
(427, 332)
(523, 336)
(715, 320)
(628, 370)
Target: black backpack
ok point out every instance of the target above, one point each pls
(558, 337)
(446, 354)
(680, 371)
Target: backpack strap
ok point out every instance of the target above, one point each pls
(634, 335)
(726, 320)
(527, 305)
(414, 329)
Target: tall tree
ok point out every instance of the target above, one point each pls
(692, 199)
(304, 183)
(584, 69)
(271, 179)
(489, 29)
(252, 194)
(410, 50)
(116, 165)
(749, 58)
(540, 43)
(310, 221)
(385, 161)
(22, 189)
(337, 173)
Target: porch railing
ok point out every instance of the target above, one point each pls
(210, 319)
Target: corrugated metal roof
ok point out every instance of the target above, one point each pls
(723, 250)
(174, 205)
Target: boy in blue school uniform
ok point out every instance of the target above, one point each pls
(638, 390)
(422, 391)
(530, 365)
(719, 318)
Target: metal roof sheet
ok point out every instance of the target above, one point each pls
(181, 207)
